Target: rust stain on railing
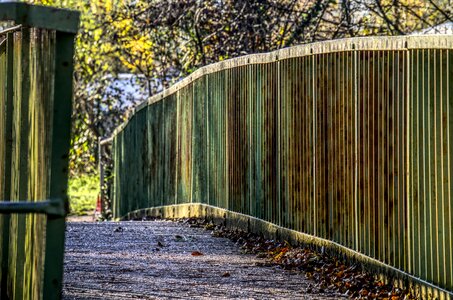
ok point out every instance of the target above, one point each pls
(344, 140)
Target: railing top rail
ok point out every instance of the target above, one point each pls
(106, 141)
(10, 29)
(40, 16)
(381, 43)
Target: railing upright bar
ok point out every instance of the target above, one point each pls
(407, 166)
(356, 147)
(20, 154)
(8, 158)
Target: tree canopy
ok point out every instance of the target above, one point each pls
(163, 41)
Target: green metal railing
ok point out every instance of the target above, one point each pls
(348, 141)
(36, 66)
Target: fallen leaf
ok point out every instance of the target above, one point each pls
(179, 238)
(119, 229)
(196, 253)
(209, 226)
(226, 274)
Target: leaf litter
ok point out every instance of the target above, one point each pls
(328, 272)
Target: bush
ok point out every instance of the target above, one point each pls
(83, 193)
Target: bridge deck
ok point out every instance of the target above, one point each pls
(153, 260)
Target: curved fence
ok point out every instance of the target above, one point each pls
(349, 141)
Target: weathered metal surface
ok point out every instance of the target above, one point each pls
(4, 220)
(348, 141)
(35, 111)
(430, 211)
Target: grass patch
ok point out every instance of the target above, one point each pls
(83, 192)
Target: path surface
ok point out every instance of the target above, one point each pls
(153, 260)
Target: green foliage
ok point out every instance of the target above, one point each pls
(83, 193)
(163, 41)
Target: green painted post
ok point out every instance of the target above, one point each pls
(53, 264)
(16, 283)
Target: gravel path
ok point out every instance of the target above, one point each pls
(155, 260)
